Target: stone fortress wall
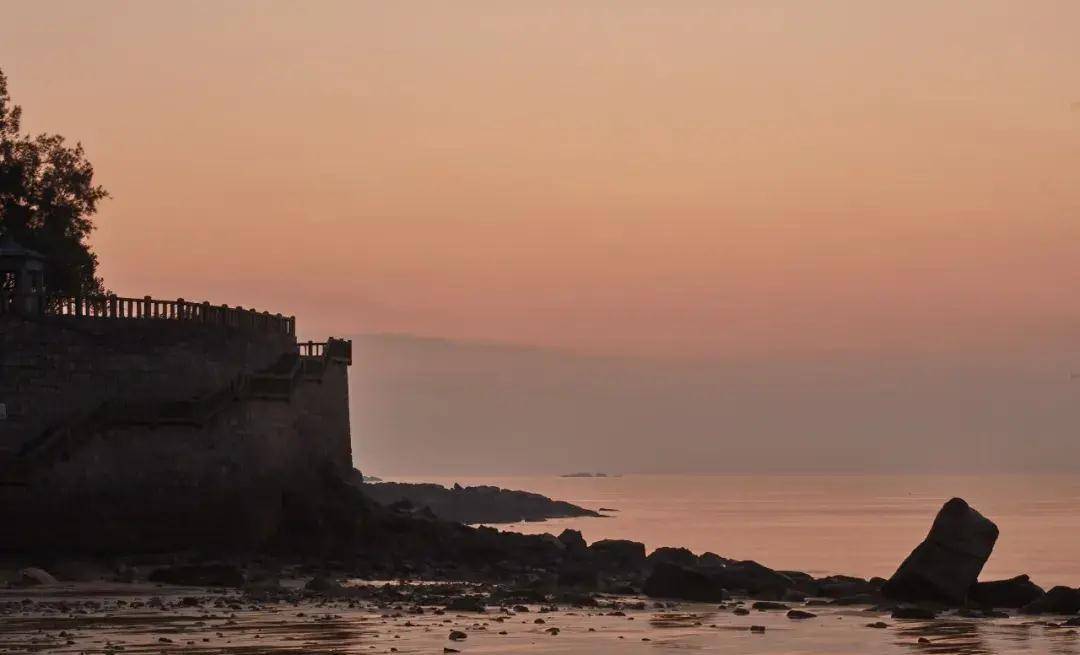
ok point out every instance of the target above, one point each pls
(162, 434)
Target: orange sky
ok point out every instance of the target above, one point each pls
(686, 178)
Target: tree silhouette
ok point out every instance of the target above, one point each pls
(47, 199)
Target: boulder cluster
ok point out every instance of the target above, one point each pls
(941, 572)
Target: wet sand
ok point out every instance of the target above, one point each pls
(117, 618)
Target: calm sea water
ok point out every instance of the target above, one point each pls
(856, 524)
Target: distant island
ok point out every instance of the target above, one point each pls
(584, 474)
(481, 504)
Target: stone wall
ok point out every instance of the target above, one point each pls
(222, 484)
(56, 369)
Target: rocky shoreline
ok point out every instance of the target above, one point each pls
(441, 568)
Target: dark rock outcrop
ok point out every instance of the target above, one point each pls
(1011, 593)
(674, 581)
(752, 578)
(1059, 600)
(947, 563)
(844, 586)
(620, 554)
(669, 555)
(573, 541)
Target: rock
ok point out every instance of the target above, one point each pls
(751, 577)
(674, 581)
(322, 584)
(677, 556)
(859, 599)
(552, 631)
(757, 628)
(580, 576)
(619, 554)
(712, 559)
(1059, 600)
(33, 577)
(877, 624)
(740, 611)
(200, 575)
(573, 540)
(1012, 593)
(947, 563)
(840, 586)
(800, 614)
(467, 604)
(765, 605)
(458, 635)
(914, 612)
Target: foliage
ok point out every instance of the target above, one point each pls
(47, 199)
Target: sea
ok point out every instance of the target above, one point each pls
(862, 525)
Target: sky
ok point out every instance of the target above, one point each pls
(770, 181)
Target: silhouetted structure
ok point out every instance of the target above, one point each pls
(146, 424)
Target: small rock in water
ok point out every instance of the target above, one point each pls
(757, 628)
(877, 624)
(458, 635)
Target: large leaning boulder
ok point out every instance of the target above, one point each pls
(1012, 593)
(947, 563)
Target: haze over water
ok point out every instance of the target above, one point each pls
(862, 525)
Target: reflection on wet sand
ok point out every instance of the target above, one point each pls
(155, 621)
(979, 637)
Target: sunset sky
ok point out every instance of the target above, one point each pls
(693, 179)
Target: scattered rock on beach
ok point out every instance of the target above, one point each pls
(1011, 593)
(947, 563)
(800, 614)
(467, 604)
(322, 584)
(766, 605)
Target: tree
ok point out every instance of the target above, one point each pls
(47, 199)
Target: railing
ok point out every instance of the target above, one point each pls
(117, 307)
(335, 349)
